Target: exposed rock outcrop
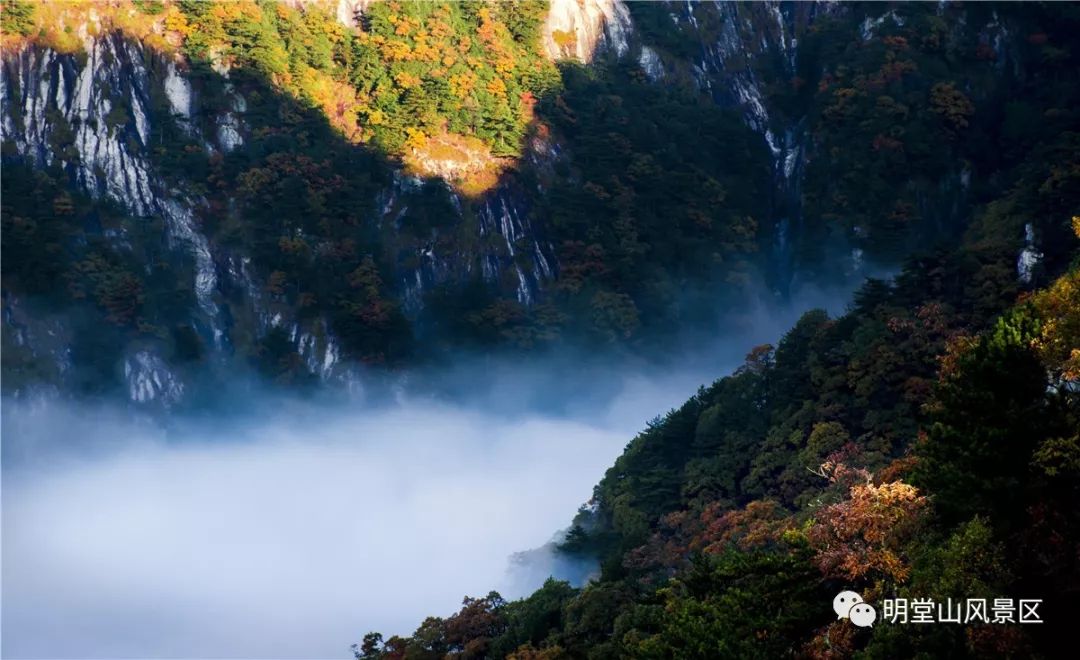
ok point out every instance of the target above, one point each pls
(579, 29)
(96, 115)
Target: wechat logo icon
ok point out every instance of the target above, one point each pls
(850, 605)
(843, 603)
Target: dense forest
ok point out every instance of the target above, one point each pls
(447, 106)
(923, 445)
(428, 179)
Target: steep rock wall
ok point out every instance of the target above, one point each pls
(92, 115)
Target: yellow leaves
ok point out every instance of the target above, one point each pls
(404, 25)
(406, 80)
(60, 25)
(140, 26)
(497, 87)
(396, 51)
(843, 94)
(376, 117)
(471, 53)
(462, 84)
(226, 12)
(528, 652)
(762, 522)
(336, 99)
(439, 30)
(465, 161)
(475, 183)
(177, 22)
(426, 53)
(416, 139)
(867, 533)
(1058, 457)
(843, 102)
(1058, 308)
(885, 494)
(329, 26)
(490, 30)
(504, 65)
(1070, 369)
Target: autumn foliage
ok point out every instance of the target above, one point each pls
(864, 535)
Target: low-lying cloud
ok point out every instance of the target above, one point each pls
(288, 537)
(292, 529)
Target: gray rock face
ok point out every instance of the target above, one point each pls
(102, 102)
(737, 52)
(93, 116)
(745, 47)
(1030, 257)
(650, 63)
(149, 379)
(96, 115)
(580, 29)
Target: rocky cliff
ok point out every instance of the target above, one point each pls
(92, 115)
(99, 113)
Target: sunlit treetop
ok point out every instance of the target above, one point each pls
(449, 88)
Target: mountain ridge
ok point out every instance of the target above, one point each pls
(510, 267)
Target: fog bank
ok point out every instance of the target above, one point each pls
(291, 528)
(291, 538)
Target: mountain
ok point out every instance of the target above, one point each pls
(317, 194)
(301, 188)
(920, 450)
(922, 447)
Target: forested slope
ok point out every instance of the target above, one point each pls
(308, 189)
(923, 445)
